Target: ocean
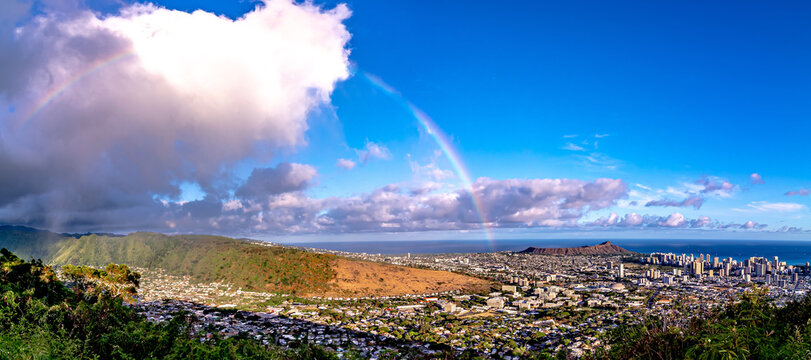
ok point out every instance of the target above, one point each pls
(792, 252)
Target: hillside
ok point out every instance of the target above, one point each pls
(206, 258)
(355, 278)
(606, 248)
(242, 264)
(31, 243)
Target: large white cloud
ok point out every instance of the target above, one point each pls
(111, 112)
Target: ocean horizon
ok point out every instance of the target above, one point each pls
(793, 252)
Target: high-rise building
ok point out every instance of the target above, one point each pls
(760, 269)
(621, 272)
(715, 262)
(697, 267)
(776, 264)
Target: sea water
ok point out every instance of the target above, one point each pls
(793, 252)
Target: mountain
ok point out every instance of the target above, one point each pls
(606, 248)
(28, 243)
(243, 264)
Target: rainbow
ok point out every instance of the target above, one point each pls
(444, 144)
(90, 69)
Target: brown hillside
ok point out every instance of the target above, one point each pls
(606, 248)
(363, 278)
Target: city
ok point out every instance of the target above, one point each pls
(538, 303)
(398, 180)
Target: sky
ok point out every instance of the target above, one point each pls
(413, 119)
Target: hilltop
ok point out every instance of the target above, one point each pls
(606, 248)
(251, 266)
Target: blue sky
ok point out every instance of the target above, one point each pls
(670, 98)
(680, 90)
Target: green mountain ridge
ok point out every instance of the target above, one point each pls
(205, 258)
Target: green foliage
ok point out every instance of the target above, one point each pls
(752, 328)
(40, 318)
(202, 257)
(118, 280)
(207, 259)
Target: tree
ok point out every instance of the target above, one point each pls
(117, 280)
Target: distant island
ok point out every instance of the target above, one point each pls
(606, 248)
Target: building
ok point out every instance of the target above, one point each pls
(697, 267)
(496, 302)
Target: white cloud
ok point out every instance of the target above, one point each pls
(715, 186)
(103, 132)
(572, 147)
(506, 203)
(695, 201)
(373, 151)
(632, 219)
(765, 206)
(599, 161)
(755, 178)
(345, 164)
(801, 192)
(431, 170)
(674, 220)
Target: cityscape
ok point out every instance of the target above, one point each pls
(405, 179)
(539, 303)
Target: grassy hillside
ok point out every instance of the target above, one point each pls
(242, 264)
(206, 258)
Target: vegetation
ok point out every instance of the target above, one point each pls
(238, 263)
(204, 258)
(752, 328)
(119, 280)
(31, 243)
(41, 318)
